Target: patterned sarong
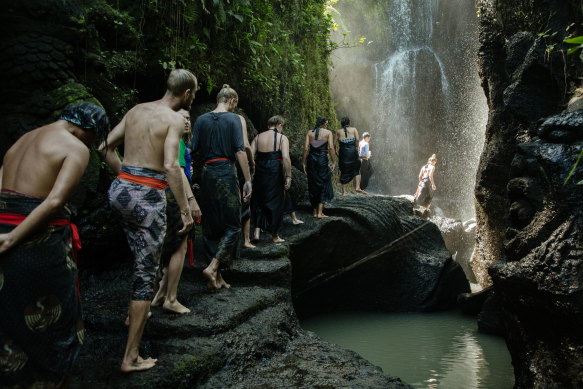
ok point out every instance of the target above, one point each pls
(221, 209)
(41, 328)
(142, 211)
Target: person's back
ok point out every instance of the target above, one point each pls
(32, 164)
(265, 142)
(218, 135)
(351, 133)
(146, 130)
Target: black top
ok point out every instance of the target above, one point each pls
(217, 135)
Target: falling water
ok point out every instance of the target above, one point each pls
(424, 98)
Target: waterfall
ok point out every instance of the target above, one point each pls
(425, 95)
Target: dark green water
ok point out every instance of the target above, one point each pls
(436, 350)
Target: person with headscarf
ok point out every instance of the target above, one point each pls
(41, 328)
(151, 135)
(426, 187)
(272, 178)
(219, 138)
(348, 158)
(319, 142)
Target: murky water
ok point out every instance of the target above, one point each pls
(437, 350)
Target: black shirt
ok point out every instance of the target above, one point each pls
(217, 135)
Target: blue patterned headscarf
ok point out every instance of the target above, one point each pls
(88, 116)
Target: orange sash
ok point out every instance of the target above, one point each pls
(146, 181)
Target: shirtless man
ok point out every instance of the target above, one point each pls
(151, 135)
(37, 249)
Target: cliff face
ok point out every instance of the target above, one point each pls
(529, 233)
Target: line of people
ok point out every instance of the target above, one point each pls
(41, 329)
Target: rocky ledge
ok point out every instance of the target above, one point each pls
(250, 336)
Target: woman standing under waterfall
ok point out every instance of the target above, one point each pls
(424, 192)
(318, 141)
(348, 160)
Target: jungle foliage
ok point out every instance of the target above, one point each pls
(274, 53)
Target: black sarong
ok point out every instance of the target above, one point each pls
(245, 215)
(365, 173)
(220, 204)
(267, 202)
(41, 329)
(348, 160)
(424, 193)
(289, 205)
(319, 175)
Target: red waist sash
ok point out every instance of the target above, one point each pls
(146, 181)
(14, 219)
(217, 159)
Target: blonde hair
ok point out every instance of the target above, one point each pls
(274, 121)
(179, 81)
(226, 93)
(432, 158)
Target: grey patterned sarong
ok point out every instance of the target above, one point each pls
(142, 211)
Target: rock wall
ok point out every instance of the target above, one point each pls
(529, 232)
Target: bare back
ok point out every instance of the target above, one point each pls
(146, 129)
(265, 141)
(35, 162)
(324, 134)
(351, 131)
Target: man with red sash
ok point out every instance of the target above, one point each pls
(41, 328)
(219, 137)
(151, 135)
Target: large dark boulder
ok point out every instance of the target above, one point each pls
(415, 273)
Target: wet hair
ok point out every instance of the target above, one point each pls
(227, 93)
(432, 158)
(365, 135)
(89, 117)
(320, 121)
(274, 121)
(179, 81)
(345, 122)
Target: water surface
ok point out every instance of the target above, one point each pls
(437, 350)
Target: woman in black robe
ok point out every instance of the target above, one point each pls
(318, 141)
(348, 160)
(271, 150)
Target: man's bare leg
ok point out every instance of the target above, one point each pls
(131, 359)
(277, 238)
(161, 294)
(221, 282)
(343, 189)
(321, 211)
(295, 220)
(175, 266)
(211, 275)
(246, 235)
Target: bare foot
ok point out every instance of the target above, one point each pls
(361, 191)
(321, 216)
(138, 365)
(211, 287)
(211, 276)
(295, 222)
(315, 213)
(278, 240)
(127, 322)
(158, 300)
(249, 245)
(221, 282)
(174, 307)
